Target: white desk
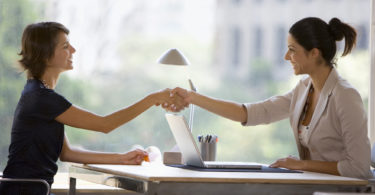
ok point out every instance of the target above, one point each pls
(161, 179)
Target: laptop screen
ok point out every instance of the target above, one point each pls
(185, 140)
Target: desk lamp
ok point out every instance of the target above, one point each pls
(175, 57)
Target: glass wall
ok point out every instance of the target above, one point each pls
(236, 51)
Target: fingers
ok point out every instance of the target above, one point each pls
(293, 157)
(289, 163)
(274, 165)
(174, 104)
(173, 100)
(178, 103)
(279, 163)
(134, 157)
(180, 91)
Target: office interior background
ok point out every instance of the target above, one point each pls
(236, 49)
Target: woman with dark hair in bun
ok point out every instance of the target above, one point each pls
(326, 113)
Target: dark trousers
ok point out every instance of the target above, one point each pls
(21, 188)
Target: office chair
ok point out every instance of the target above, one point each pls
(42, 181)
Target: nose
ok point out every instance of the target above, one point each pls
(287, 57)
(73, 50)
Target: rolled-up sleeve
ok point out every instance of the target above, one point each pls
(353, 120)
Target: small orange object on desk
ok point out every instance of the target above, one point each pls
(146, 159)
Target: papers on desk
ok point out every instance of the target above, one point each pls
(154, 154)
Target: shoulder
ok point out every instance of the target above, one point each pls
(347, 99)
(344, 91)
(35, 95)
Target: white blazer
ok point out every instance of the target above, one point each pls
(338, 128)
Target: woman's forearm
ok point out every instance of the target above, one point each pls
(116, 119)
(307, 165)
(90, 157)
(72, 154)
(80, 118)
(320, 166)
(227, 109)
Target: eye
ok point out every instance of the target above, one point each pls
(66, 45)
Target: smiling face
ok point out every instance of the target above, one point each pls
(63, 54)
(300, 59)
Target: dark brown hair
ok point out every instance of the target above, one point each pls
(39, 41)
(315, 33)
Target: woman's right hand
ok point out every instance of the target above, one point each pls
(168, 101)
(183, 93)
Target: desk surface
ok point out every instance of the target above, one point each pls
(162, 173)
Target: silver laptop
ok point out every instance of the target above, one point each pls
(189, 149)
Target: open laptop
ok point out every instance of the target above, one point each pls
(189, 149)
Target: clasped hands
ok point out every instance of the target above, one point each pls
(173, 100)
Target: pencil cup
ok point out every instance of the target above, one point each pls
(208, 150)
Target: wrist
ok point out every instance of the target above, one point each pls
(303, 165)
(191, 95)
(118, 158)
(151, 99)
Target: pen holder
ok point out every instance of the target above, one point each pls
(208, 151)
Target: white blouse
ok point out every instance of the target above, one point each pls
(302, 134)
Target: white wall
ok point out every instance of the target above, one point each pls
(372, 76)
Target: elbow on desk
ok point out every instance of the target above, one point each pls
(354, 169)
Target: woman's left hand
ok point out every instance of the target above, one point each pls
(134, 157)
(289, 163)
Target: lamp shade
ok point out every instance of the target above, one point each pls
(173, 57)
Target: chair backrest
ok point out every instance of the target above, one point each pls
(42, 181)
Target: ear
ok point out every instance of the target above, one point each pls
(315, 52)
(316, 55)
(46, 61)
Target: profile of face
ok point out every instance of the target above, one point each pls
(299, 57)
(62, 58)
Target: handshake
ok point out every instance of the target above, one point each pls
(173, 100)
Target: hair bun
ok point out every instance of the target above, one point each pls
(336, 29)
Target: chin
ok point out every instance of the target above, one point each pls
(67, 68)
(70, 67)
(296, 72)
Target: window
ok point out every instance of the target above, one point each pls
(258, 42)
(372, 77)
(236, 40)
(280, 47)
(118, 43)
(362, 37)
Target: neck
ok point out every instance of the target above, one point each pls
(50, 79)
(319, 77)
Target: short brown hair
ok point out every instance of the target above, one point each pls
(39, 41)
